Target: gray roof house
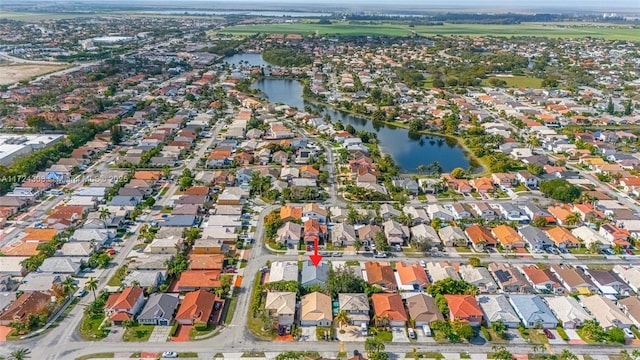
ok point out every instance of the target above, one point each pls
(395, 232)
(533, 311)
(100, 236)
(452, 236)
(314, 275)
(60, 265)
(343, 234)
(357, 306)
(144, 278)
(568, 310)
(120, 200)
(39, 282)
(178, 220)
(535, 238)
(480, 277)
(497, 307)
(425, 232)
(159, 309)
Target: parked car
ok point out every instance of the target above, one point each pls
(548, 334)
(423, 264)
(80, 293)
(170, 354)
(412, 333)
(380, 255)
(628, 333)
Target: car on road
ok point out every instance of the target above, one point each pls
(628, 333)
(337, 254)
(380, 255)
(629, 252)
(423, 264)
(169, 354)
(80, 293)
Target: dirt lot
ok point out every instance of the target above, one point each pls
(10, 74)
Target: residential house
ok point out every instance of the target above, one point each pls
(343, 234)
(283, 271)
(568, 310)
(508, 237)
(543, 280)
(356, 306)
(197, 308)
(506, 180)
(609, 283)
(282, 306)
(483, 210)
(315, 310)
(26, 304)
(480, 237)
(562, 237)
(630, 274)
(314, 275)
(423, 309)
(61, 265)
(191, 280)
(631, 307)
(509, 278)
(381, 275)
(313, 210)
(606, 312)
(510, 212)
(439, 271)
(536, 239)
(314, 230)
(574, 279)
(533, 311)
(159, 309)
(387, 212)
(459, 211)
(464, 308)
(125, 305)
(424, 232)
(395, 233)
(497, 308)
(527, 179)
(367, 233)
(411, 276)
(145, 278)
(438, 211)
(478, 276)
(35, 281)
(417, 215)
(290, 212)
(389, 309)
(452, 236)
(289, 234)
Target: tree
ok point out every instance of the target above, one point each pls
(572, 219)
(350, 129)
(560, 189)
(540, 222)
(463, 330)
(272, 223)
(357, 245)
(104, 213)
(567, 355)
(68, 285)
(186, 179)
(475, 261)
(451, 286)
(436, 223)
(343, 280)
(341, 318)
(457, 173)
(379, 356)
(373, 345)
(382, 245)
(421, 169)
(610, 107)
(20, 354)
(616, 335)
(499, 327)
(501, 353)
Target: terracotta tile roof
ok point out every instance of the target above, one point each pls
(561, 235)
(21, 249)
(197, 306)
(290, 211)
(463, 306)
(506, 235)
(124, 300)
(147, 175)
(40, 235)
(389, 306)
(206, 261)
(540, 276)
(478, 233)
(197, 190)
(559, 212)
(411, 274)
(26, 304)
(380, 274)
(194, 279)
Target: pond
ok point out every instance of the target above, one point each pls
(408, 150)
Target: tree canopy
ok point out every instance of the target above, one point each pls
(560, 189)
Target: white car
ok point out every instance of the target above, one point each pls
(629, 333)
(80, 293)
(423, 264)
(170, 354)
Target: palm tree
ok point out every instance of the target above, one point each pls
(104, 213)
(20, 354)
(421, 168)
(68, 285)
(357, 245)
(572, 219)
(341, 318)
(373, 345)
(92, 285)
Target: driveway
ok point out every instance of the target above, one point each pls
(422, 338)
(308, 333)
(4, 331)
(399, 335)
(351, 333)
(160, 334)
(182, 334)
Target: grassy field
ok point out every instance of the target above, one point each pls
(553, 30)
(517, 82)
(138, 333)
(10, 74)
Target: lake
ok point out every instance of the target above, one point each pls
(407, 150)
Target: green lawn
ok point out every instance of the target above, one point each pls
(90, 328)
(517, 82)
(463, 249)
(230, 310)
(562, 333)
(138, 333)
(384, 336)
(553, 30)
(105, 355)
(188, 355)
(120, 274)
